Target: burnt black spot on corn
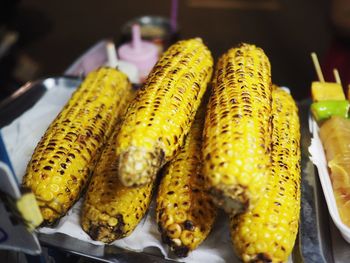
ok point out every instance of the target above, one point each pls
(69, 146)
(161, 115)
(267, 232)
(182, 197)
(111, 210)
(236, 133)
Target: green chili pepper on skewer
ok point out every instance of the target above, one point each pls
(322, 110)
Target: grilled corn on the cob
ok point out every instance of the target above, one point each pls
(162, 113)
(112, 210)
(66, 154)
(267, 232)
(185, 211)
(236, 133)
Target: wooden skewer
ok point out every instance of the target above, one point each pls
(336, 76)
(317, 67)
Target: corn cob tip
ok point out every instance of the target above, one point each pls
(259, 258)
(178, 236)
(175, 246)
(51, 211)
(105, 231)
(139, 166)
(51, 217)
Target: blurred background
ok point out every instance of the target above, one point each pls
(40, 38)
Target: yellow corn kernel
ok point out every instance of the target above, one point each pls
(111, 210)
(67, 153)
(236, 134)
(267, 232)
(182, 196)
(161, 115)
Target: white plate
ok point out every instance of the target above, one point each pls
(317, 156)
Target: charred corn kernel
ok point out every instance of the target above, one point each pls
(236, 133)
(69, 149)
(183, 198)
(162, 113)
(111, 210)
(267, 232)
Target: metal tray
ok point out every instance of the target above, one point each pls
(318, 240)
(314, 232)
(27, 95)
(107, 253)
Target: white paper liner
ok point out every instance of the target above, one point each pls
(22, 136)
(317, 156)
